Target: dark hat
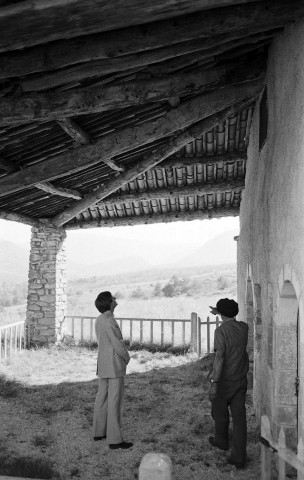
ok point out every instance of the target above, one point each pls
(228, 308)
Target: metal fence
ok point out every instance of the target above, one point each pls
(12, 339)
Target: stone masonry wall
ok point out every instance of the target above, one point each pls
(46, 302)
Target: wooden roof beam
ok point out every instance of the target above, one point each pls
(158, 57)
(183, 161)
(75, 131)
(172, 192)
(62, 192)
(43, 22)
(156, 218)
(127, 139)
(42, 107)
(155, 158)
(7, 166)
(18, 217)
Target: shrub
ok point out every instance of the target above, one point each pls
(156, 347)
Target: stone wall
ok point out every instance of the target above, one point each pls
(46, 302)
(271, 245)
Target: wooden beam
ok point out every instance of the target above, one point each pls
(177, 161)
(75, 131)
(133, 40)
(17, 217)
(130, 138)
(159, 155)
(100, 68)
(114, 165)
(42, 22)
(156, 218)
(7, 166)
(39, 107)
(174, 191)
(62, 192)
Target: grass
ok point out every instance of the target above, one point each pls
(47, 418)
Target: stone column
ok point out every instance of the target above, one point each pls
(47, 299)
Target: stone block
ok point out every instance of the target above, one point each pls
(46, 322)
(48, 298)
(287, 415)
(36, 315)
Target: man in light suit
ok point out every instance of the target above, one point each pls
(112, 361)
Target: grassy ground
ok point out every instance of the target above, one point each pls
(46, 407)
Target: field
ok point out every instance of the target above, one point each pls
(46, 405)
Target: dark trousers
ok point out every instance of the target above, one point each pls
(231, 395)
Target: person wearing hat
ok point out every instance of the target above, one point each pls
(112, 361)
(229, 382)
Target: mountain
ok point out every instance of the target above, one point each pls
(14, 261)
(219, 250)
(111, 267)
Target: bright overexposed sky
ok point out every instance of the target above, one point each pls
(195, 231)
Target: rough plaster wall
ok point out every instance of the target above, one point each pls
(271, 218)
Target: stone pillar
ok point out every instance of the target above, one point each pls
(47, 299)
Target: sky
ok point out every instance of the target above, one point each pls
(157, 244)
(168, 233)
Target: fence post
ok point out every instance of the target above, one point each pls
(155, 466)
(265, 452)
(301, 457)
(194, 332)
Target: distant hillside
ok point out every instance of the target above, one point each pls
(14, 261)
(218, 251)
(118, 266)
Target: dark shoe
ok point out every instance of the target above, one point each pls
(115, 446)
(238, 465)
(212, 442)
(99, 438)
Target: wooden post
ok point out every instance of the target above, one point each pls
(301, 457)
(282, 446)
(131, 331)
(91, 329)
(194, 332)
(172, 333)
(151, 331)
(141, 328)
(162, 332)
(208, 335)
(81, 329)
(184, 333)
(155, 466)
(199, 337)
(265, 452)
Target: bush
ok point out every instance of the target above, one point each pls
(156, 347)
(138, 293)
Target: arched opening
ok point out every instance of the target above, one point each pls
(286, 358)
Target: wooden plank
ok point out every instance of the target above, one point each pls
(62, 192)
(183, 161)
(99, 68)
(121, 141)
(7, 165)
(17, 217)
(132, 40)
(157, 156)
(75, 131)
(196, 189)
(39, 107)
(43, 22)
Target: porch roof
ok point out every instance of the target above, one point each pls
(120, 113)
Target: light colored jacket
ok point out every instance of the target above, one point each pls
(113, 355)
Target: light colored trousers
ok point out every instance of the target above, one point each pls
(108, 409)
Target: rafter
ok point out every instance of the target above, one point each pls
(132, 40)
(75, 131)
(7, 166)
(182, 161)
(140, 60)
(42, 22)
(17, 217)
(159, 155)
(62, 192)
(39, 107)
(174, 191)
(129, 138)
(156, 218)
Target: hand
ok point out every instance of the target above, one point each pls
(213, 310)
(213, 391)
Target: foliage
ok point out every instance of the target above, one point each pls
(138, 293)
(222, 283)
(180, 286)
(11, 295)
(157, 347)
(157, 290)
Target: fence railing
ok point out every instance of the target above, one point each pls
(12, 339)
(152, 330)
(285, 455)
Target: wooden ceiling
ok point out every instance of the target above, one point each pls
(131, 111)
